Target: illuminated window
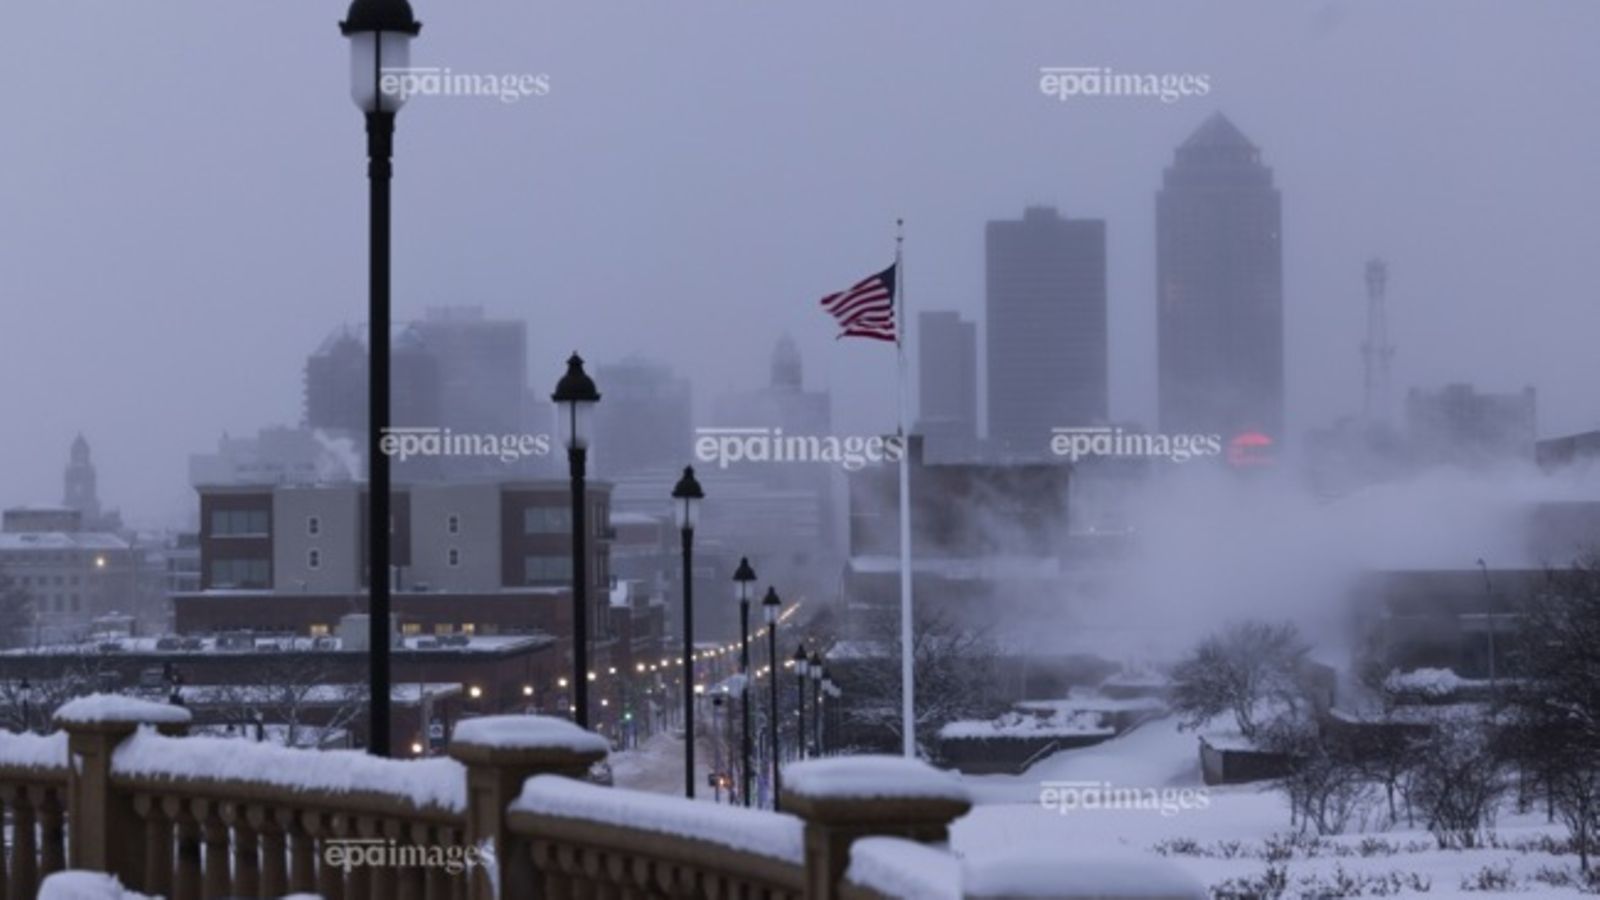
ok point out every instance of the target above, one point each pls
(411, 628)
(319, 630)
(442, 628)
(469, 628)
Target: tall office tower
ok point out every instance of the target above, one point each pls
(1219, 276)
(644, 422)
(483, 369)
(1046, 328)
(947, 380)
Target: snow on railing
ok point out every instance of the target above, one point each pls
(425, 783)
(747, 830)
(872, 777)
(115, 708)
(33, 751)
(895, 867)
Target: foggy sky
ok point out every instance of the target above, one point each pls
(183, 218)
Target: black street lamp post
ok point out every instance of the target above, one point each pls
(802, 664)
(743, 579)
(686, 497)
(575, 397)
(770, 605)
(380, 33)
(815, 671)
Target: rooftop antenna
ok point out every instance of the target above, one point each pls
(1377, 354)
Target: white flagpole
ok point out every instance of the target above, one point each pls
(907, 686)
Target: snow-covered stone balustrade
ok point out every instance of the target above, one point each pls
(509, 814)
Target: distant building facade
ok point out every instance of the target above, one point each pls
(645, 421)
(1219, 283)
(1459, 425)
(1045, 324)
(947, 381)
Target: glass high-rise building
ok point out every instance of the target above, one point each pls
(1046, 328)
(1219, 271)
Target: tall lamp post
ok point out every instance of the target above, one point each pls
(380, 33)
(575, 397)
(815, 671)
(802, 665)
(770, 604)
(743, 580)
(686, 497)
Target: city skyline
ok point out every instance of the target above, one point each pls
(1374, 177)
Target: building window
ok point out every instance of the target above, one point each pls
(542, 569)
(469, 628)
(453, 557)
(441, 628)
(240, 523)
(313, 525)
(547, 520)
(72, 602)
(452, 524)
(411, 628)
(313, 558)
(319, 630)
(241, 573)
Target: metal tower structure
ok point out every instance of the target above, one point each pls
(1377, 354)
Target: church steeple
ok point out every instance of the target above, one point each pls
(78, 491)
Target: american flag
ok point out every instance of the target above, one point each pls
(867, 309)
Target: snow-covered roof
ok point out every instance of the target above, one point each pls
(1019, 726)
(61, 540)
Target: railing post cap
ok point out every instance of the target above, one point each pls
(542, 742)
(116, 714)
(864, 790)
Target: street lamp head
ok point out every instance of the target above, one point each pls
(743, 577)
(575, 397)
(801, 661)
(770, 605)
(686, 495)
(816, 666)
(380, 33)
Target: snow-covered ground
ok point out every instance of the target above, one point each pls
(1227, 833)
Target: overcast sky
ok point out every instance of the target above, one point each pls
(182, 206)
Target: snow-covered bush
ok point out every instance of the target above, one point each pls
(1458, 782)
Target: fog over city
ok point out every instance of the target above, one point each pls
(906, 450)
(186, 215)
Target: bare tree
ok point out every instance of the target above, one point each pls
(953, 665)
(306, 693)
(1555, 698)
(1254, 671)
(16, 612)
(1458, 781)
